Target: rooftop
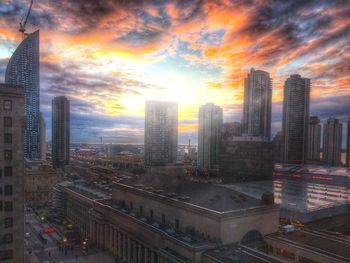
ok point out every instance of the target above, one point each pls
(318, 242)
(313, 169)
(205, 195)
(235, 253)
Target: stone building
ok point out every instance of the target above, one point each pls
(165, 218)
(39, 180)
(11, 174)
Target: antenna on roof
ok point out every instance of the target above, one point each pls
(22, 25)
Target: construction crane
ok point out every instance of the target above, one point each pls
(22, 25)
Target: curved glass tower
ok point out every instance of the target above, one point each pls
(24, 69)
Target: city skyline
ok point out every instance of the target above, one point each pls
(152, 56)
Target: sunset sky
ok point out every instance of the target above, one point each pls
(108, 57)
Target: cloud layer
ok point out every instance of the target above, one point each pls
(108, 57)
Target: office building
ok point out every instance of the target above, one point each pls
(11, 174)
(209, 135)
(277, 147)
(40, 178)
(42, 137)
(231, 129)
(332, 141)
(60, 132)
(314, 145)
(348, 145)
(23, 69)
(246, 159)
(257, 104)
(295, 123)
(160, 133)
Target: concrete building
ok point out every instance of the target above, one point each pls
(348, 145)
(160, 133)
(11, 174)
(43, 147)
(314, 145)
(295, 123)
(60, 132)
(332, 142)
(166, 219)
(246, 159)
(24, 69)
(209, 135)
(257, 104)
(39, 180)
(277, 147)
(231, 129)
(309, 247)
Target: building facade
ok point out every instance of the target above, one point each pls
(60, 131)
(40, 178)
(257, 104)
(24, 69)
(231, 129)
(314, 145)
(295, 123)
(246, 159)
(43, 147)
(209, 135)
(11, 174)
(160, 133)
(332, 142)
(348, 145)
(141, 223)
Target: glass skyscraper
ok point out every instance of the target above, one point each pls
(23, 69)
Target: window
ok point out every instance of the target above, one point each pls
(8, 171)
(0, 190)
(8, 190)
(151, 213)
(8, 206)
(141, 209)
(8, 155)
(7, 122)
(131, 205)
(0, 206)
(8, 138)
(163, 219)
(177, 224)
(6, 239)
(8, 222)
(6, 254)
(7, 105)
(0, 172)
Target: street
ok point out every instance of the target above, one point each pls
(50, 252)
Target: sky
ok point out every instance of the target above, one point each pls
(108, 57)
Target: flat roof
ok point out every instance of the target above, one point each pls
(314, 169)
(206, 195)
(234, 253)
(317, 242)
(296, 195)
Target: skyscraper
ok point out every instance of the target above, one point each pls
(295, 124)
(257, 104)
(42, 137)
(231, 129)
(160, 132)
(348, 145)
(332, 140)
(60, 131)
(313, 152)
(11, 173)
(24, 69)
(209, 135)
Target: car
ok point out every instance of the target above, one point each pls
(27, 235)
